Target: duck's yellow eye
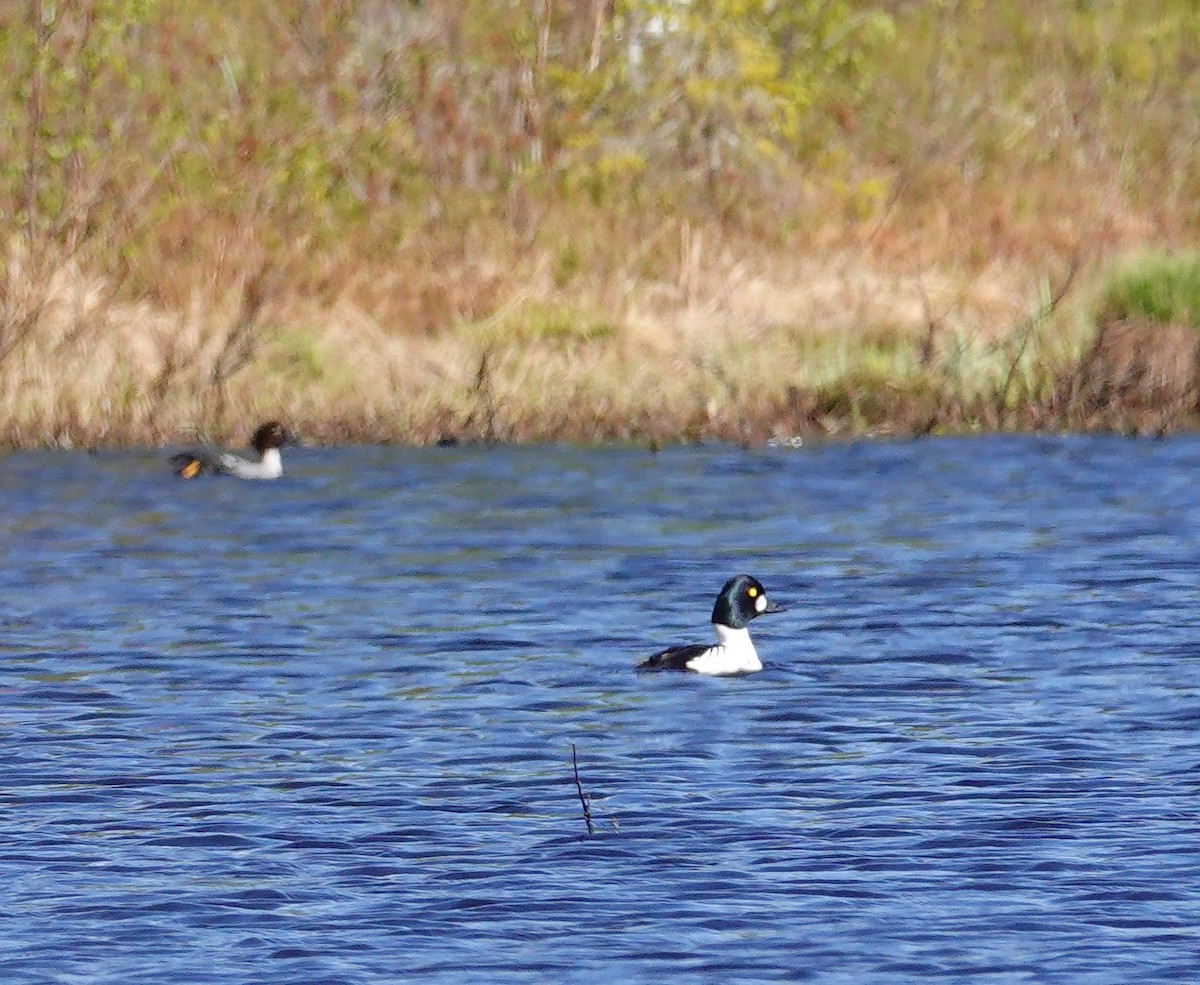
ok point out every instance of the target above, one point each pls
(752, 591)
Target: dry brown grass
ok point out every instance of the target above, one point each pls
(1137, 376)
(735, 345)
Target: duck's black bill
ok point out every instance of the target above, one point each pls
(772, 607)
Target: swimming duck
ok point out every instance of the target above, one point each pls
(743, 598)
(267, 441)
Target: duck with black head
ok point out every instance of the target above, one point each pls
(743, 598)
(267, 441)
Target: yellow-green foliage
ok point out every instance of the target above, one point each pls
(172, 135)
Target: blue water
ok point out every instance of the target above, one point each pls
(320, 730)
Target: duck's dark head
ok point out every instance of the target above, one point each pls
(270, 435)
(742, 599)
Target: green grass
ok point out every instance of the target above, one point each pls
(299, 356)
(539, 323)
(1160, 288)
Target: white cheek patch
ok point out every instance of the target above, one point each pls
(760, 603)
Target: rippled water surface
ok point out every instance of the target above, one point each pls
(320, 730)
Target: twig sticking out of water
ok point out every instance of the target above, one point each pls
(583, 798)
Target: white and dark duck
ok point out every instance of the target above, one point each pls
(267, 441)
(743, 598)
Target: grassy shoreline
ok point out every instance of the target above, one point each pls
(488, 221)
(745, 359)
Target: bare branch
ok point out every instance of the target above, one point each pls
(1032, 322)
(583, 798)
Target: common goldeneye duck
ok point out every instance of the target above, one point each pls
(267, 441)
(743, 598)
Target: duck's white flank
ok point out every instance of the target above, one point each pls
(271, 466)
(733, 654)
